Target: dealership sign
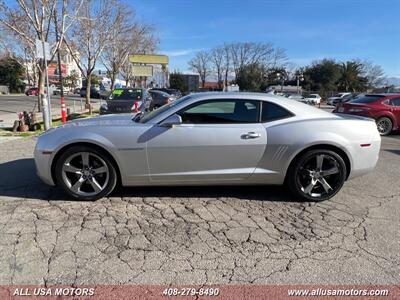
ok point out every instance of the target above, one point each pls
(145, 71)
(149, 59)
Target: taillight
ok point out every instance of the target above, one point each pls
(135, 107)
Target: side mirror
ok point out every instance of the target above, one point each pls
(171, 121)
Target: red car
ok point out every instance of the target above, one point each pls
(384, 108)
(32, 92)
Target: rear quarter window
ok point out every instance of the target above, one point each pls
(366, 99)
(271, 112)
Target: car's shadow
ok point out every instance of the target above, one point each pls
(18, 179)
(394, 151)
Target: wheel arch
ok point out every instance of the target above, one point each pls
(391, 117)
(88, 144)
(331, 147)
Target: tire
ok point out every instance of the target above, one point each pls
(85, 173)
(384, 125)
(306, 179)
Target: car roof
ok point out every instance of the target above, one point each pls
(384, 95)
(128, 88)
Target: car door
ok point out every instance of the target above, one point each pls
(219, 140)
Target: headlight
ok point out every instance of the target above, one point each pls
(104, 106)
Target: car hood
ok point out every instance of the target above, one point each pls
(105, 120)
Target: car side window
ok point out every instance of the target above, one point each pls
(272, 112)
(222, 111)
(395, 102)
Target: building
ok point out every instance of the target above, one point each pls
(68, 67)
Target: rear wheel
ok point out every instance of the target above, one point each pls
(384, 125)
(85, 173)
(317, 175)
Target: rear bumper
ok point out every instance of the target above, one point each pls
(365, 158)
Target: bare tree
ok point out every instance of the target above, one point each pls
(218, 63)
(374, 73)
(127, 38)
(226, 62)
(126, 73)
(249, 53)
(201, 65)
(92, 32)
(33, 19)
(142, 39)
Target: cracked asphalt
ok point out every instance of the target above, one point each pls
(198, 235)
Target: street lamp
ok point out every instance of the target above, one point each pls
(281, 78)
(299, 77)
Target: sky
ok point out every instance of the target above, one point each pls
(308, 29)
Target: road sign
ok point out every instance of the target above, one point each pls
(39, 49)
(145, 71)
(148, 59)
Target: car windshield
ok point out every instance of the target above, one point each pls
(143, 118)
(366, 99)
(126, 94)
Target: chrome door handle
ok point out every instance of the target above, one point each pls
(251, 135)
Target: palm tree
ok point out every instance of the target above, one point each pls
(351, 77)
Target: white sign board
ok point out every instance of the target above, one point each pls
(39, 49)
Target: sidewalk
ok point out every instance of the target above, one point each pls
(7, 120)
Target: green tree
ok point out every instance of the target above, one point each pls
(322, 75)
(178, 81)
(11, 74)
(72, 79)
(252, 77)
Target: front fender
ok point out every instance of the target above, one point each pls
(52, 142)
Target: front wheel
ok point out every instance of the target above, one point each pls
(85, 173)
(384, 125)
(317, 175)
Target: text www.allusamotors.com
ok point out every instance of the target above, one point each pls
(338, 292)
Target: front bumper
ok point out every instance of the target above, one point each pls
(43, 165)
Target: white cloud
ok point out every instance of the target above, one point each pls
(183, 52)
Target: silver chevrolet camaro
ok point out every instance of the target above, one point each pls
(211, 139)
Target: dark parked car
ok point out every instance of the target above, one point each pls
(173, 92)
(126, 100)
(94, 93)
(159, 98)
(384, 108)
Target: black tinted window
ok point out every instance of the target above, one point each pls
(395, 101)
(366, 99)
(271, 111)
(221, 112)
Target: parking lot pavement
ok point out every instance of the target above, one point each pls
(198, 235)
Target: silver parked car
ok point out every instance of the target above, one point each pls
(211, 139)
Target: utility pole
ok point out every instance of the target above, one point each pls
(41, 53)
(62, 101)
(47, 83)
(299, 76)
